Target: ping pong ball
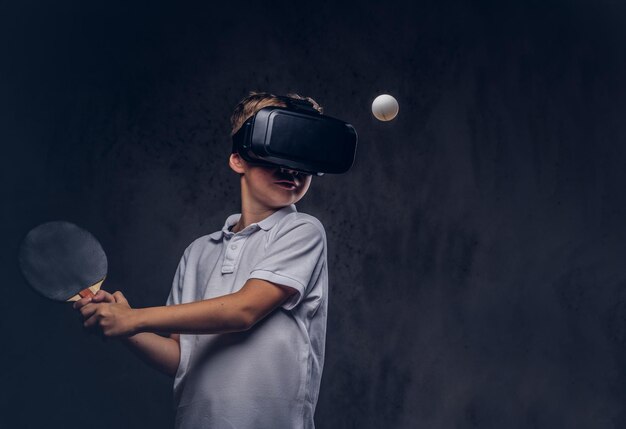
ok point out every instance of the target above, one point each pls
(385, 107)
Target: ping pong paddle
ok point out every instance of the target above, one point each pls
(62, 261)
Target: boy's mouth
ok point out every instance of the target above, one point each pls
(286, 184)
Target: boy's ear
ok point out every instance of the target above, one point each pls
(236, 163)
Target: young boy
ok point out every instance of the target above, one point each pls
(246, 315)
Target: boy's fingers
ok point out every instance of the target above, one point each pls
(100, 296)
(92, 317)
(119, 298)
(81, 302)
(103, 296)
(88, 310)
(90, 322)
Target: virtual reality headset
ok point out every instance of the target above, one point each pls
(297, 137)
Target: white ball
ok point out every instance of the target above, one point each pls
(385, 107)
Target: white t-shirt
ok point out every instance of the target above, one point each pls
(268, 376)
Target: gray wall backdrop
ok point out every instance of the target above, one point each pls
(476, 248)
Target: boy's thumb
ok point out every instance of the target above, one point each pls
(119, 298)
(102, 295)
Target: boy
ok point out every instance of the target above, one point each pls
(246, 315)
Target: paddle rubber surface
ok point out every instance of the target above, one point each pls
(60, 259)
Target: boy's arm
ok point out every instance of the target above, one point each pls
(161, 353)
(235, 312)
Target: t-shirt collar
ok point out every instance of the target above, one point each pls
(264, 224)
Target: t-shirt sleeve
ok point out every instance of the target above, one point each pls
(176, 292)
(292, 257)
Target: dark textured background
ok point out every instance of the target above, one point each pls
(476, 248)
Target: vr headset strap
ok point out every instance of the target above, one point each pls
(240, 136)
(292, 103)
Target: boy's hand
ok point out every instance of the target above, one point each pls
(100, 296)
(111, 312)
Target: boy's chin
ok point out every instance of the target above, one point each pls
(278, 203)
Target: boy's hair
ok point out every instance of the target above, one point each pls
(255, 101)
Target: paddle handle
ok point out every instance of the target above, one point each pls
(90, 291)
(86, 292)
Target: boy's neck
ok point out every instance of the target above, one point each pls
(250, 215)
